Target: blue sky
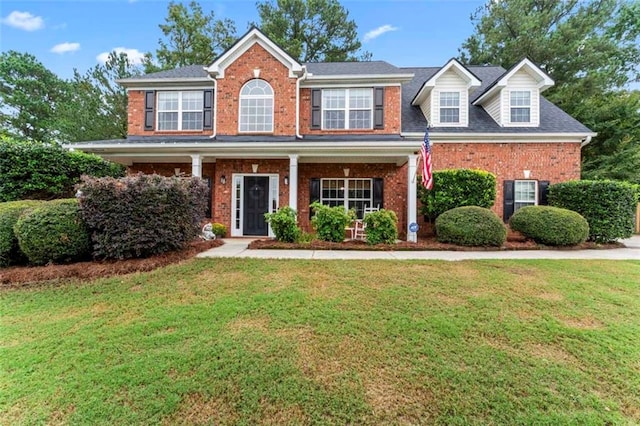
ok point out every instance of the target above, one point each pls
(64, 35)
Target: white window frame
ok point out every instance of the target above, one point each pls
(442, 107)
(527, 202)
(237, 200)
(345, 190)
(346, 109)
(180, 110)
(261, 97)
(512, 106)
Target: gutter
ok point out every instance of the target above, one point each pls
(298, 80)
(214, 106)
(586, 141)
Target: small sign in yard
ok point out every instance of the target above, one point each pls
(413, 227)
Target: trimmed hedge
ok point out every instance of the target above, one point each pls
(457, 188)
(382, 227)
(54, 232)
(9, 214)
(142, 215)
(330, 222)
(284, 224)
(551, 226)
(41, 171)
(608, 206)
(471, 226)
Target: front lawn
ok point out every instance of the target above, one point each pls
(251, 341)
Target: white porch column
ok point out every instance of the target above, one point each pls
(412, 197)
(196, 165)
(293, 182)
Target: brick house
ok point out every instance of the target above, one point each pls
(266, 131)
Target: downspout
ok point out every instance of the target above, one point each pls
(302, 77)
(215, 105)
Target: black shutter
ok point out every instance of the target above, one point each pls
(316, 108)
(508, 199)
(207, 112)
(208, 211)
(149, 109)
(378, 193)
(314, 193)
(543, 191)
(378, 110)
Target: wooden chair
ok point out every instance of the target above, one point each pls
(360, 226)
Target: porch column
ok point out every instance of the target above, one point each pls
(293, 181)
(412, 198)
(196, 165)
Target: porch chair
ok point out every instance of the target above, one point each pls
(360, 227)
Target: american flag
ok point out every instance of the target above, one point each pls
(425, 152)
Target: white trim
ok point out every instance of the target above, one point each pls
(179, 111)
(242, 97)
(254, 36)
(535, 192)
(529, 123)
(345, 191)
(350, 80)
(274, 179)
(437, 118)
(437, 137)
(347, 109)
(465, 74)
(156, 83)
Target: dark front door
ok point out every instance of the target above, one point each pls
(256, 204)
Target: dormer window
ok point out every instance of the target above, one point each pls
(449, 107)
(256, 107)
(520, 106)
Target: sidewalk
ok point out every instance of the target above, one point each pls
(237, 247)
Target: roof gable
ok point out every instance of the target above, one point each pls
(453, 65)
(253, 36)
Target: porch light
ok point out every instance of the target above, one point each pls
(346, 172)
(254, 167)
(223, 179)
(177, 171)
(527, 174)
(256, 72)
(286, 180)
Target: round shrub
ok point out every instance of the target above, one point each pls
(609, 207)
(551, 226)
(9, 213)
(471, 226)
(53, 233)
(284, 224)
(382, 227)
(219, 230)
(330, 222)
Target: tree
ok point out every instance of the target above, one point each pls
(191, 38)
(96, 107)
(30, 95)
(311, 30)
(591, 50)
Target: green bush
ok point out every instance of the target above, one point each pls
(41, 171)
(219, 230)
(284, 224)
(551, 226)
(471, 226)
(142, 215)
(382, 227)
(54, 232)
(330, 222)
(457, 188)
(9, 213)
(609, 207)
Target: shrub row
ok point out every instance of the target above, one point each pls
(41, 171)
(381, 226)
(9, 214)
(551, 226)
(284, 224)
(471, 226)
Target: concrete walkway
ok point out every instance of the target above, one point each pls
(237, 247)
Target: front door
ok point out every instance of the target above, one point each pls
(256, 204)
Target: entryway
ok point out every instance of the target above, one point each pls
(253, 196)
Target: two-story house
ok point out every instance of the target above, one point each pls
(266, 131)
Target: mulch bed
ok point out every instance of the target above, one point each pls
(20, 275)
(514, 242)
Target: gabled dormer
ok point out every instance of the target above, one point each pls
(514, 99)
(444, 98)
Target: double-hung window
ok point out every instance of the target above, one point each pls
(520, 106)
(526, 194)
(351, 193)
(256, 107)
(180, 110)
(347, 108)
(449, 107)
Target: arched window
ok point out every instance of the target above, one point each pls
(256, 107)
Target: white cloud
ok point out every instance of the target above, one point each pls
(378, 32)
(135, 56)
(24, 21)
(65, 48)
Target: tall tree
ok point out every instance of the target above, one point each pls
(30, 95)
(192, 37)
(590, 48)
(96, 107)
(311, 30)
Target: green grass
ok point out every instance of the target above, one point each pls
(232, 341)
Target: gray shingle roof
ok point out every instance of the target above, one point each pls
(190, 71)
(353, 68)
(552, 118)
